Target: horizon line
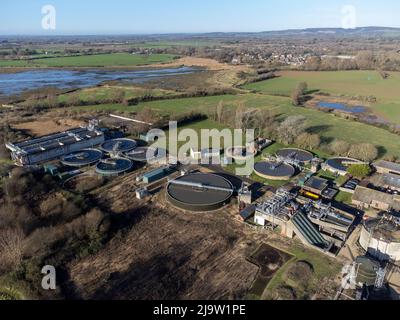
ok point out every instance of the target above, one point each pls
(189, 33)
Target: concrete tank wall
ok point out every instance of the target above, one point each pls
(380, 249)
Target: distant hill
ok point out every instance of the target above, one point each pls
(311, 32)
(363, 31)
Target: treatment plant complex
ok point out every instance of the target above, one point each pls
(298, 196)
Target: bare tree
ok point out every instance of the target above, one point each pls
(220, 111)
(364, 151)
(11, 247)
(239, 116)
(308, 141)
(290, 128)
(340, 147)
(264, 120)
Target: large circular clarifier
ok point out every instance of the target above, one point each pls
(119, 145)
(340, 165)
(82, 158)
(274, 170)
(113, 166)
(200, 192)
(146, 154)
(296, 154)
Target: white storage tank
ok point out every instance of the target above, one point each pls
(381, 238)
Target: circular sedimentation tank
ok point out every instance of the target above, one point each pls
(367, 269)
(118, 145)
(296, 154)
(239, 153)
(113, 166)
(200, 192)
(274, 170)
(82, 158)
(340, 165)
(381, 238)
(146, 154)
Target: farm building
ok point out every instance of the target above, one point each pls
(366, 198)
(34, 151)
(387, 181)
(387, 167)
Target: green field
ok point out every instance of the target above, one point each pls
(327, 125)
(183, 43)
(100, 60)
(106, 92)
(323, 266)
(347, 83)
(354, 83)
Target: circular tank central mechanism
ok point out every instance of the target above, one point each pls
(200, 192)
(274, 170)
(296, 154)
(146, 154)
(118, 145)
(82, 158)
(113, 166)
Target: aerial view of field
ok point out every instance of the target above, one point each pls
(327, 125)
(150, 152)
(353, 84)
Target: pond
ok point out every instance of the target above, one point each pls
(16, 83)
(342, 107)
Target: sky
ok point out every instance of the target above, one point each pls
(87, 17)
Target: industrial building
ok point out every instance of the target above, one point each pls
(386, 181)
(383, 166)
(157, 174)
(366, 198)
(317, 225)
(317, 188)
(38, 150)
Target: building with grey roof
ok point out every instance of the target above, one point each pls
(383, 166)
(386, 180)
(366, 198)
(50, 147)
